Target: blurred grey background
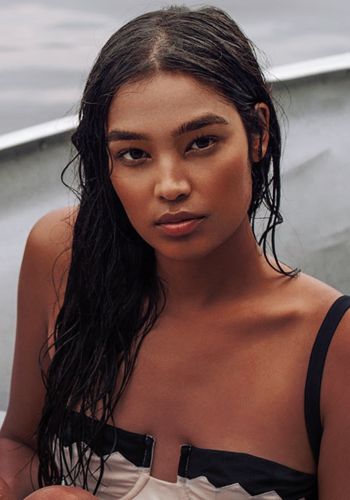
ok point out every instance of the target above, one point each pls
(48, 46)
(46, 50)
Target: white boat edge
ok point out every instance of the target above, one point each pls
(38, 132)
(312, 67)
(277, 74)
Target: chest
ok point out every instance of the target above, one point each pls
(218, 384)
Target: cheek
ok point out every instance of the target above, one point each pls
(131, 194)
(232, 190)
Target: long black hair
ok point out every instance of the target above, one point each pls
(113, 295)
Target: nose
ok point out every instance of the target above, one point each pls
(172, 181)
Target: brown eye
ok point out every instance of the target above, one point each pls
(204, 142)
(134, 155)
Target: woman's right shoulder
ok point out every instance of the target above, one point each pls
(53, 230)
(41, 288)
(51, 235)
(47, 254)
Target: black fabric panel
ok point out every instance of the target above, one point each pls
(255, 474)
(315, 372)
(135, 447)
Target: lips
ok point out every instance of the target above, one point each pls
(183, 228)
(169, 218)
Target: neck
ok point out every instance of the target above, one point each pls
(234, 271)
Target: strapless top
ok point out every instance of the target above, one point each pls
(202, 473)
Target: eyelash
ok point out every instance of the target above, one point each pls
(213, 138)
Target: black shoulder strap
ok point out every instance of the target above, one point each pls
(315, 371)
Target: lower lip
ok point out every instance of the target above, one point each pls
(180, 228)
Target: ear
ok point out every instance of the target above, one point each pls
(261, 141)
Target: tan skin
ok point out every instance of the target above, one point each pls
(205, 354)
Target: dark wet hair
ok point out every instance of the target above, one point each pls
(113, 295)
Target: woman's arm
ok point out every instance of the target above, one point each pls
(36, 296)
(334, 462)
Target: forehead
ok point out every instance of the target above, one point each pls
(165, 97)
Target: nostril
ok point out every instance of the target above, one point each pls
(172, 191)
(176, 197)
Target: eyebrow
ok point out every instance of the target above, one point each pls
(197, 123)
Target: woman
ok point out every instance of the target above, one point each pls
(180, 353)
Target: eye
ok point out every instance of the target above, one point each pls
(135, 154)
(204, 142)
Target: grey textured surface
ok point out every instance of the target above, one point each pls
(316, 177)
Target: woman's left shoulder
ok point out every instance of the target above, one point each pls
(314, 297)
(319, 297)
(307, 301)
(334, 461)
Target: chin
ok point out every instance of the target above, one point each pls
(184, 252)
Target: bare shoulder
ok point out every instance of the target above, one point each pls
(303, 298)
(315, 298)
(314, 293)
(334, 461)
(53, 231)
(302, 292)
(310, 299)
(337, 365)
(49, 247)
(48, 243)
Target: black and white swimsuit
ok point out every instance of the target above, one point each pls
(207, 474)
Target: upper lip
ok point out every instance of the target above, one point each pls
(177, 217)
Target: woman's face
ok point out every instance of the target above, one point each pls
(176, 145)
